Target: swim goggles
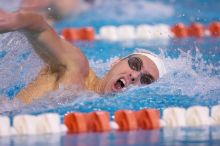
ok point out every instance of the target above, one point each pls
(136, 64)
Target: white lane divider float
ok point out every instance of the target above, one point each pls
(162, 31)
(25, 124)
(4, 126)
(215, 114)
(49, 123)
(174, 117)
(194, 116)
(126, 32)
(34, 125)
(197, 116)
(114, 125)
(144, 32)
(108, 33)
(141, 32)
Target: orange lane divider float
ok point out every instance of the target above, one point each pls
(214, 29)
(196, 30)
(87, 122)
(75, 34)
(100, 121)
(126, 120)
(180, 30)
(148, 119)
(75, 122)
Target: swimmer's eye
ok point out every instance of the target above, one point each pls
(146, 79)
(135, 63)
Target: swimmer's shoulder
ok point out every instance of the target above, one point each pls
(77, 61)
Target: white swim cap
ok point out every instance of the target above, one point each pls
(157, 61)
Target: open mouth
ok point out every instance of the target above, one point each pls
(119, 84)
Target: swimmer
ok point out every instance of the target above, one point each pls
(66, 64)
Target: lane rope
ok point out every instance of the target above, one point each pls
(143, 32)
(99, 121)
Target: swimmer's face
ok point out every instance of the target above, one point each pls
(133, 70)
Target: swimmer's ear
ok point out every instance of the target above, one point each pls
(116, 61)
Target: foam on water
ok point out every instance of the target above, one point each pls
(191, 75)
(20, 64)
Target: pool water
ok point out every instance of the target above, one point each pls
(193, 76)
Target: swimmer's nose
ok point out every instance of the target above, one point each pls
(134, 77)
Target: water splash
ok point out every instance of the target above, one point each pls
(190, 80)
(19, 58)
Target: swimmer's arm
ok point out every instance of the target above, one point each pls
(50, 47)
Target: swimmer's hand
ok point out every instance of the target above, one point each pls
(21, 20)
(56, 52)
(43, 38)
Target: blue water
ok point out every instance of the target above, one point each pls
(193, 76)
